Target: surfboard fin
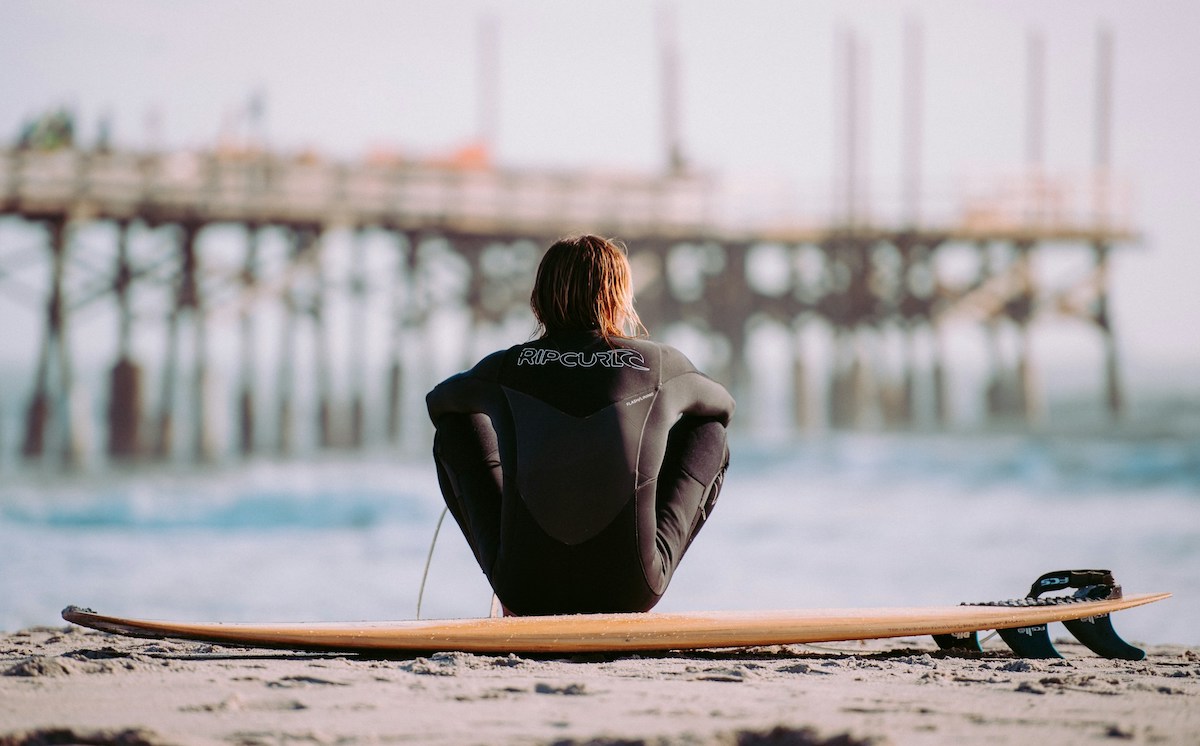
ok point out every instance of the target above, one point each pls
(1030, 642)
(968, 641)
(1096, 632)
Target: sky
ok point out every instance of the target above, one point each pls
(578, 85)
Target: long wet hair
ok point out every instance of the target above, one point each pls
(584, 283)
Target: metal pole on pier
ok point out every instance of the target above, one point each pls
(851, 129)
(910, 190)
(913, 106)
(1035, 102)
(669, 62)
(1102, 186)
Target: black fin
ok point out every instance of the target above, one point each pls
(959, 641)
(1097, 633)
(1030, 642)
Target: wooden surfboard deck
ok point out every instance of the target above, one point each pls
(611, 632)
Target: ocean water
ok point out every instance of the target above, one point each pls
(830, 520)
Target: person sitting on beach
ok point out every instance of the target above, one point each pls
(581, 465)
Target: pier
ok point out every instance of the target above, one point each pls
(858, 279)
(873, 281)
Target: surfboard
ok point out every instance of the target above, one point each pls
(612, 633)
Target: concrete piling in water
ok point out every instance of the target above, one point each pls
(407, 312)
(321, 361)
(50, 412)
(357, 343)
(247, 384)
(801, 406)
(125, 411)
(187, 306)
(125, 380)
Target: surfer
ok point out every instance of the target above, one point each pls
(581, 465)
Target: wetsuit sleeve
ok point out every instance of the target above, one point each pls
(689, 392)
(471, 392)
(466, 454)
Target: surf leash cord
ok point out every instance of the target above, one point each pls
(429, 560)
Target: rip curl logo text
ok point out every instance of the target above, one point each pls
(621, 358)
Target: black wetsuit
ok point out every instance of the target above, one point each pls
(580, 468)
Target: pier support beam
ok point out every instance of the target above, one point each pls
(848, 390)
(189, 302)
(403, 286)
(1021, 310)
(941, 389)
(306, 259)
(358, 345)
(724, 307)
(321, 360)
(125, 381)
(286, 381)
(1113, 394)
(49, 401)
(303, 244)
(801, 407)
(908, 386)
(246, 393)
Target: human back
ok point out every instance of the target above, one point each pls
(551, 454)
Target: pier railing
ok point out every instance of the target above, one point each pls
(264, 188)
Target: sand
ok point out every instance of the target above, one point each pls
(72, 685)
